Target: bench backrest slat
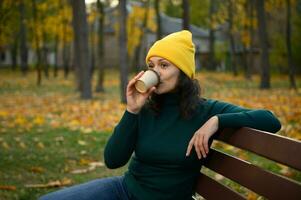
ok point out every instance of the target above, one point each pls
(256, 179)
(278, 148)
(263, 182)
(212, 190)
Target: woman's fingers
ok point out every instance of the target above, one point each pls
(150, 91)
(190, 145)
(197, 146)
(200, 144)
(205, 144)
(139, 75)
(133, 81)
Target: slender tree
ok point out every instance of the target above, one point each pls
(211, 56)
(56, 53)
(231, 38)
(56, 44)
(136, 59)
(23, 35)
(123, 59)
(81, 50)
(263, 40)
(100, 47)
(92, 47)
(250, 64)
(158, 18)
(186, 11)
(66, 47)
(14, 52)
(44, 49)
(289, 46)
(245, 45)
(37, 42)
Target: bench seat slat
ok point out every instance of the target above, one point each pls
(256, 179)
(212, 190)
(278, 148)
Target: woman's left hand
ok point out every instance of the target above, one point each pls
(201, 137)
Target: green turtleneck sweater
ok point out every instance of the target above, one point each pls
(159, 168)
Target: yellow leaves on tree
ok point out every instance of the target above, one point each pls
(53, 22)
(135, 25)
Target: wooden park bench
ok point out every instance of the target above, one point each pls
(265, 183)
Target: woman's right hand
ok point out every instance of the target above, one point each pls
(135, 99)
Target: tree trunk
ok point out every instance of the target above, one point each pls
(245, 46)
(136, 61)
(37, 43)
(23, 46)
(66, 47)
(66, 53)
(66, 59)
(289, 47)
(92, 47)
(245, 63)
(123, 49)
(251, 32)
(81, 50)
(44, 54)
(56, 53)
(100, 47)
(185, 6)
(75, 63)
(231, 39)
(263, 39)
(158, 18)
(211, 56)
(14, 53)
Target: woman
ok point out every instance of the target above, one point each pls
(168, 129)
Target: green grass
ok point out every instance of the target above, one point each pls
(61, 154)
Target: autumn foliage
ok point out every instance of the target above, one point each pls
(25, 106)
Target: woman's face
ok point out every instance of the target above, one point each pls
(168, 72)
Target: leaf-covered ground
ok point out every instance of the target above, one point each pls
(50, 138)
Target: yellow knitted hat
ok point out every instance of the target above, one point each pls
(177, 48)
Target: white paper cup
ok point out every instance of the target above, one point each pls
(149, 79)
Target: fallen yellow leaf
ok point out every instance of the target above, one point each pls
(81, 142)
(7, 187)
(56, 183)
(37, 169)
(40, 145)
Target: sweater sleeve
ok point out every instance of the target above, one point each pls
(121, 144)
(232, 116)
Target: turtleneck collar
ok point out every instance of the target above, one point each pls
(171, 98)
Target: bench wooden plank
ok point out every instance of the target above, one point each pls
(256, 179)
(275, 147)
(212, 190)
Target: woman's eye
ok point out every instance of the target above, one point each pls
(150, 66)
(164, 65)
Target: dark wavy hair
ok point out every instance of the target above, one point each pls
(189, 91)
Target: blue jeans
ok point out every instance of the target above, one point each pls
(112, 188)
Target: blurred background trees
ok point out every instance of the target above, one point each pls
(241, 36)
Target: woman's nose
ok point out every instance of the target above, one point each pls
(156, 69)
